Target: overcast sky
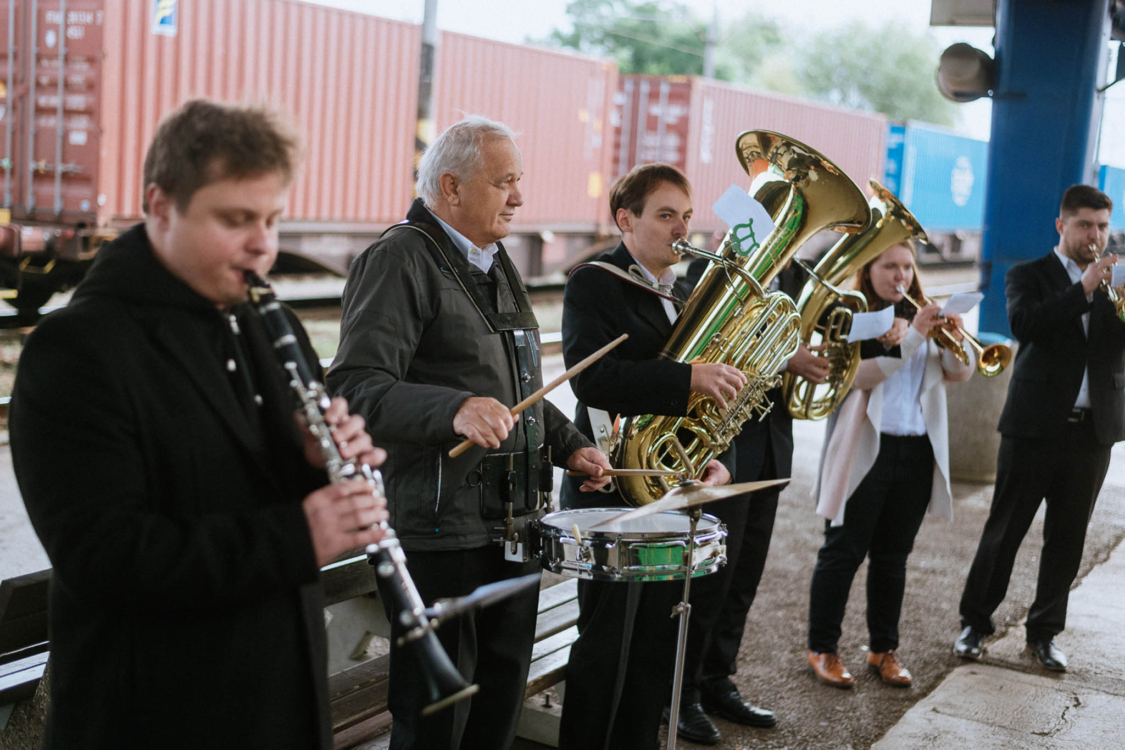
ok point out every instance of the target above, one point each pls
(517, 21)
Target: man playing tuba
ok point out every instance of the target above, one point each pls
(621, 665)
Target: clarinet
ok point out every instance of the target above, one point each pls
(444, 683)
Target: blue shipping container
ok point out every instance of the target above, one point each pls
(896, 145)
(941, 177)
(1111, 181)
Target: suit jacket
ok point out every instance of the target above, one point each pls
(1045, 311)
(185, 605)
(597, 308)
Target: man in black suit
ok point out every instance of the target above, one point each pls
(1065, 410)
(154, 440)
(620, 667)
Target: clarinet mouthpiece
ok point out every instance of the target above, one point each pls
(259, 287)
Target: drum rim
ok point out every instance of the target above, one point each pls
(707, 524)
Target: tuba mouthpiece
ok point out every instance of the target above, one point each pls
(682, 247)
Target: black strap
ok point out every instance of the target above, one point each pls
(458, 265)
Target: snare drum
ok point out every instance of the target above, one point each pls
(651, 548)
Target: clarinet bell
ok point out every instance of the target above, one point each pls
(444, 684)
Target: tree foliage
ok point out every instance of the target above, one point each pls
(884, 69)
(655, 38)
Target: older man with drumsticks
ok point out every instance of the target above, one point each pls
(438, 341)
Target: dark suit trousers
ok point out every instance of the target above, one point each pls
(1068, 472)
(881, 519)
(721, 601)
(618, 676)
(490, 647)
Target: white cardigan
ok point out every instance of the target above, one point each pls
(851, 441)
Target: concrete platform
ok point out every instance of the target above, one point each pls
(1009, 701)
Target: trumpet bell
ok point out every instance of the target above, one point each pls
(993, 360)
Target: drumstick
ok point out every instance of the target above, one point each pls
(530, 400)
(630, 473)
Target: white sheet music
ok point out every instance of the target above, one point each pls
(871, 325)
(959, 304)
(735, 206)
(1118, 275)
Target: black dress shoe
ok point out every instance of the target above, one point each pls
(695, 726)
(730, 705)
(1048, 654)
(970, 645)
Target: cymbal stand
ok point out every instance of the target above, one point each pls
(683, 610)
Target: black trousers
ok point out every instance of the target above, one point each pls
(490, 647)
(1068, 472)
(618, 676)
(720, 602)
(881, 520)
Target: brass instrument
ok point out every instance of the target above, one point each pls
(730, 319)
(1116, 297)
(826, 310)
(991, 360)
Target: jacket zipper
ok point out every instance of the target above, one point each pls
(437, 498)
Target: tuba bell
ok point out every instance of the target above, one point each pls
(731, 319)
(826, 310)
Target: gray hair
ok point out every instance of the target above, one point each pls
(456, 151)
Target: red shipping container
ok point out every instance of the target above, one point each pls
(693, 123)
(349, 80)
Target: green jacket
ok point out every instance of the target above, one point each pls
(413, 347)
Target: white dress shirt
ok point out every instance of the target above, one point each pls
(667, 279)
(481, 257)
(1075, 274)
(902, 405)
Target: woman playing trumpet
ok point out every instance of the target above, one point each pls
(886, 460)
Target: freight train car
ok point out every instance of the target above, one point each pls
(75, 142)
(941, 177)
(693, 123)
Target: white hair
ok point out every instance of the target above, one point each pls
(456, 151)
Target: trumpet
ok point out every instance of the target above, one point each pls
(991, 360)
(1116, 297)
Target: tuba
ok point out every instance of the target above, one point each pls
(731, 319)
(826, 310)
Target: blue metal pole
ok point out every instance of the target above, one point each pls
(1044, 131)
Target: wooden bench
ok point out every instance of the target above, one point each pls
(358, 695)
(23, 638)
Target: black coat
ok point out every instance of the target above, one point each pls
(185, 606)
(597, 308)
(1045, 311)
(412, 349)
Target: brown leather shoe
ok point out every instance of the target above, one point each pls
(831, 670)
(890, 669)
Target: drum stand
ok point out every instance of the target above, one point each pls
(683, 610)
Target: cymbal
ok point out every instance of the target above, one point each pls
(689, 495)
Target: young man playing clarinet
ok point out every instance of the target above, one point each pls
(185, 514)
